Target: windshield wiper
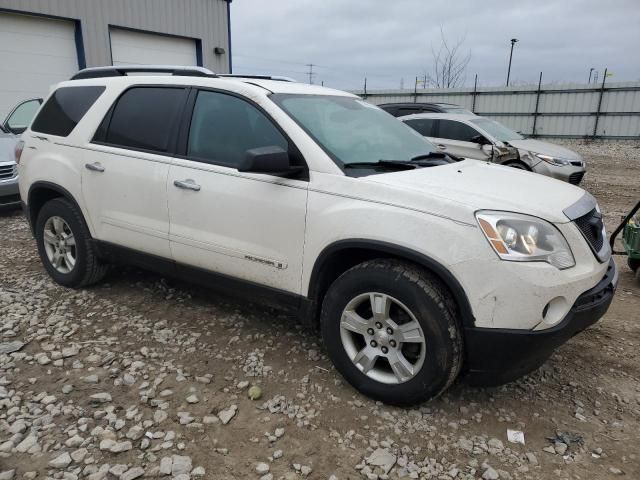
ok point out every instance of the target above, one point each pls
(399, 164)
(428, 155)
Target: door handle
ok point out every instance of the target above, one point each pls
(95, 167)
(187, 184)
(441, 146)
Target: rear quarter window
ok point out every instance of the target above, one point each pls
(64, 109)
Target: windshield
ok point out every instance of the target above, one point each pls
(352, 131)
(497, 130)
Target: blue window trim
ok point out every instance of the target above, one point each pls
(198, 41)
(81, 56)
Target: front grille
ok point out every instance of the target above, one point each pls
(7, 171)
(576, 178)
(592, 228)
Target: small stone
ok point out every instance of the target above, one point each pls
(180, 464)
(61, 461)
(135, 472)
(278, 454)
(227, 414)
(305, 470)
(490, 474)
(165, 465)
(549, 449)
(90, 379)
(160, 416)
(198, 472)
(560, 448)
(7, 475)
(66, 389)
(99, 398)
(79, 455)
(243, 384)
(121, 447)
(615, 471)
(262, 468)
(74, 441)
(209, 419)
(192, 399)
(531, 458)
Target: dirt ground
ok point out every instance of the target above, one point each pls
(137, 376)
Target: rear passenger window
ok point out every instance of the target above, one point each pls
(456, 131)
(144, 118)
(424, 126)
(224, 127)
(64, 109)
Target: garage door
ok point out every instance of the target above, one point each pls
(35, 53)
(129, 47)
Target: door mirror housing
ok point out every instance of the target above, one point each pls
(480, 140)
(272, 160)
(20, 117)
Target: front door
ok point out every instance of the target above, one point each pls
(125, 169)
(245, 225)
(455, 138)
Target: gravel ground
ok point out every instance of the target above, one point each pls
(146, 377)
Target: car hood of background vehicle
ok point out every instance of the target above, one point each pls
(545, 148)
(486, 186)
(7, 145)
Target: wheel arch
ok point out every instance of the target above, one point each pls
(519, 162)
(339, 256)
(40, 193)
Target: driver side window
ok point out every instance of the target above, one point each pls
(453, 130)
(224, 127)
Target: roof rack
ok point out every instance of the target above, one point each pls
(122, 70)
(277, 78)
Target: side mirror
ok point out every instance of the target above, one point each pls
(20, 117)
(271, 160)
(480, 140)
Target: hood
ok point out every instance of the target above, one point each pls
(481, 185)
(546, 148)
(7, 146)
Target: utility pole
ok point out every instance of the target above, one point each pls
(424, 83)
(513, 42)
(590, 72)
(310, 72)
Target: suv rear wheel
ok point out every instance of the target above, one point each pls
(390, 329)
(65, 247)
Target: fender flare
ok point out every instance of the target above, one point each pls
(451, 282)
(49, 186)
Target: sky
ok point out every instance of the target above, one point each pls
(390, 41)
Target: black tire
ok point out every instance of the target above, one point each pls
(634, 264)
(88, 269)
(431, 305)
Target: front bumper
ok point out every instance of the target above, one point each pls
(9, 192)
(567, 173)
(496, 356)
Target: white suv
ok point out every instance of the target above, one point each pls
(414, 267)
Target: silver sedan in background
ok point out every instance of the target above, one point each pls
(480, 138)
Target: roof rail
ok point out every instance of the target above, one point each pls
(122, 70)
(277, 78)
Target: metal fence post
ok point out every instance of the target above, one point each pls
(535, 114)
(595, 126)
(475, 91)
(365, 87)
(415, 91)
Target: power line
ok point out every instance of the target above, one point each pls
(310, 72)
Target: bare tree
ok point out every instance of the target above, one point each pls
(449, 63)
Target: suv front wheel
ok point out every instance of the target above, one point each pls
(390, 329)
(65, 245)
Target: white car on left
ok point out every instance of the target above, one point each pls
(16, 122)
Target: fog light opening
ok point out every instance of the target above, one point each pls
(554, 311)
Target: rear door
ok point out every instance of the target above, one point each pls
(245, 225)
(125, 169)
(454, 137)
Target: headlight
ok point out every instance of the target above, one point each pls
(560, 162)
(522, 238)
